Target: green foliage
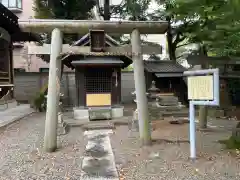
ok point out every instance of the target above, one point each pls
(129, 68)
(231, 143)
(214, 24)
(40, 102)
(135, 10)
(63, 9)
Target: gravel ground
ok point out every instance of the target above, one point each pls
(167, 158)
(22, 158)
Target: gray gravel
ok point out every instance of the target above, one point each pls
(169, 161)
(22, 157)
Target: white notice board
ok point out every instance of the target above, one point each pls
(200, 87)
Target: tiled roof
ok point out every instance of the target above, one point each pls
(163, 67)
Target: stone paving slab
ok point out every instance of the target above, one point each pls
(99, 162)
(13, 114)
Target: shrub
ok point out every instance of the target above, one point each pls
(40, 102)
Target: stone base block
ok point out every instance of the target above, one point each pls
(9, 104)
(84, 114)
(117, 112)
(80, 114)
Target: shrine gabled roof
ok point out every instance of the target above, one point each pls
(85, 40)
(163, 66)
(9, 22)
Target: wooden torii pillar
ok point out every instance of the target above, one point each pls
(135, 28)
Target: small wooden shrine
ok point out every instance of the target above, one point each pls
(98, 77)
(9, 33)
(168, 77)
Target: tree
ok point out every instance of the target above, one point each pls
(217, 31)
(133, 10)
(178, 25)
(64, 9)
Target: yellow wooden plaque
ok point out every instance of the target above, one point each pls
(98, 99)
(200, 87)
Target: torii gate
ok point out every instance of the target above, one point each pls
(135, 28)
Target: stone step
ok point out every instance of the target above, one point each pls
(98, 125)
(98, 161)
(175, 113)
(169, 109)
(168, 98)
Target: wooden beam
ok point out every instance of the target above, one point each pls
(83, 26)
(86, 50)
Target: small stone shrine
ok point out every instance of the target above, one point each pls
(161, 105)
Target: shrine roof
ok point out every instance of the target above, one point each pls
(84, 41)
(163, 66)
(9, 21)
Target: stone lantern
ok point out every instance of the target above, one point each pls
(153, 93)
(134, 123)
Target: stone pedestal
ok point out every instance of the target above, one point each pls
(84, 114)
(62, 126)
(134, 123)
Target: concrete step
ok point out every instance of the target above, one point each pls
(8, 105)
(13, 114)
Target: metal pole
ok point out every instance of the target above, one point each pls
(50, 138)
(192, 131)
(140, 86)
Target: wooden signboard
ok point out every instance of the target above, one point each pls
(98, 100)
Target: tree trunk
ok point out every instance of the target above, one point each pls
(107, 14)
(171, 49)
(203, 111)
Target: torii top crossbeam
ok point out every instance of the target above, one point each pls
(83, 26)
